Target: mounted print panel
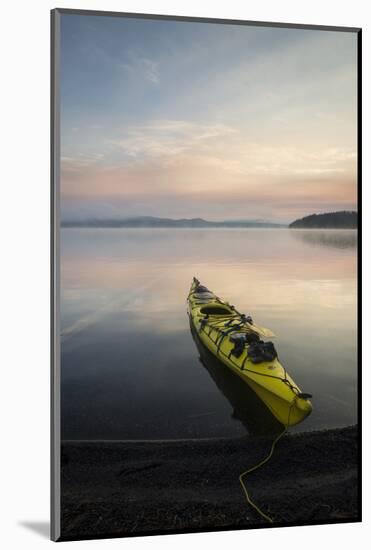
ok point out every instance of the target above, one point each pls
(205, 363)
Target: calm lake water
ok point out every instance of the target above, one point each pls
(130, 367)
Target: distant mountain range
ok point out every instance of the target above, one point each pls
(150, 221)
(330, 220)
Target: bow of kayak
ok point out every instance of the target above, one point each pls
(236, 341)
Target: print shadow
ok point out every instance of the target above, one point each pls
(41, 528)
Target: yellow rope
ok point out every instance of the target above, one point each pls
(264, 461)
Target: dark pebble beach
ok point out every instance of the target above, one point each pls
(121, 488)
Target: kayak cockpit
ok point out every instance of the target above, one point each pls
(216, 309)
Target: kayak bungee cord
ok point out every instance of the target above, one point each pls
(283, 379)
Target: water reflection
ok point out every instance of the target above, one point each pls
(336, 238)
(247, 407)
(129, 366)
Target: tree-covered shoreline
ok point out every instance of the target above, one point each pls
(330, 220)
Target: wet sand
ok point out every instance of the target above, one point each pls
(122, 488)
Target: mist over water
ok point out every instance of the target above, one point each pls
(130, 367)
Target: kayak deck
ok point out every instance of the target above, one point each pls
(236, 341)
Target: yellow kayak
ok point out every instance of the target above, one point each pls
(236, 341)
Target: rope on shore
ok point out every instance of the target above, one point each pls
(261, 463)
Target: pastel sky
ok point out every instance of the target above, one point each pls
(186, 119)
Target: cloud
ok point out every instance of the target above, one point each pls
(161, 138)
(171, 143)
(143, 67)
(170, 165)
(135, 64)
(80, 163)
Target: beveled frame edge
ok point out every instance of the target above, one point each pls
(196, 19)
(55, 417)
(359, 266)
